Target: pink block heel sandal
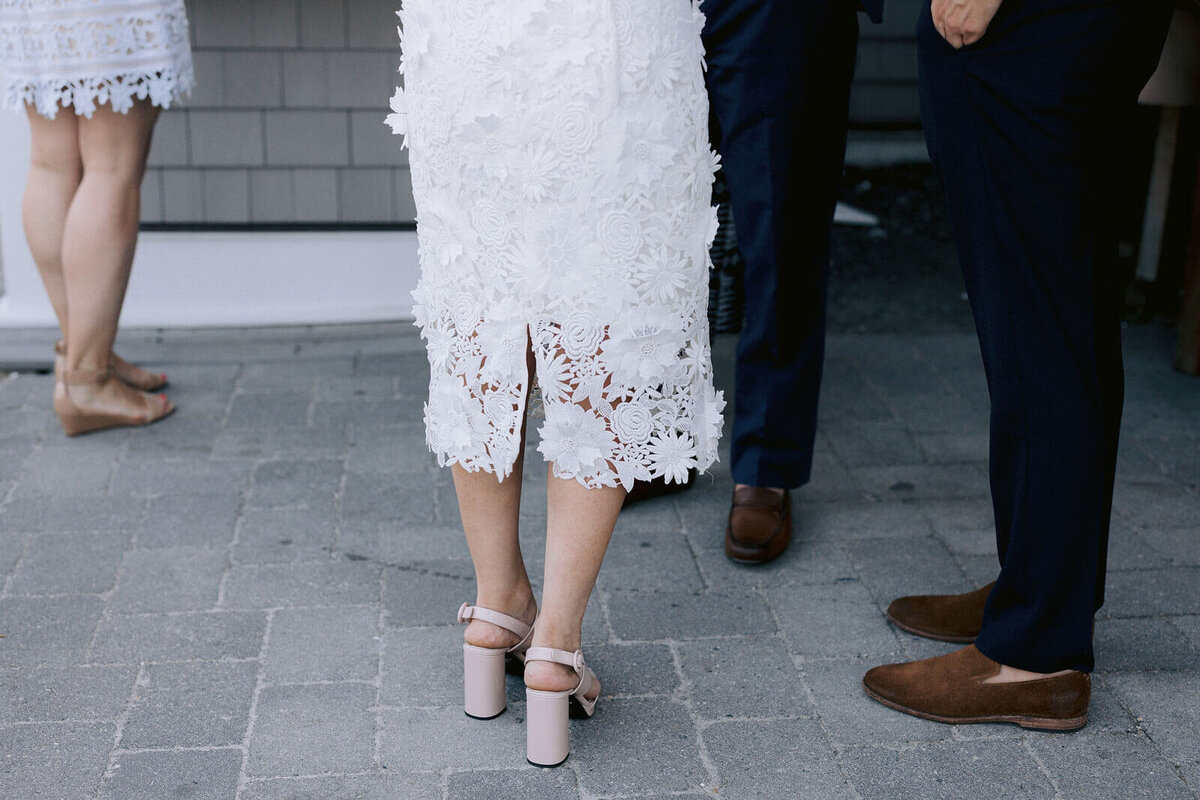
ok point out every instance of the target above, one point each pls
(547, 713)
(484, 667)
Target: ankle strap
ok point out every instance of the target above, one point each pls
(468, 612)
(565, 657)
(78, 377)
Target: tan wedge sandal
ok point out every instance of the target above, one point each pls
(123, 369)
(77, 420)
(484, 668)
(547, 714)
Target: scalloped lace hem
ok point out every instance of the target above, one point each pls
(162, 87)
(609, 478)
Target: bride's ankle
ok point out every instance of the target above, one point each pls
(520, 605)
(546, 676)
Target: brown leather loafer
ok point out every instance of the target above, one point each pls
(760, 525)
(952, 688)
(953, 618)
(648, 490)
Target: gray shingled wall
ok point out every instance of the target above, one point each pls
(885, 86)
(286, 122)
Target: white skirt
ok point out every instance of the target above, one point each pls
(563, 181)
(86, 53)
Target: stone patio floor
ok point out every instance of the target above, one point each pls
(256, 598)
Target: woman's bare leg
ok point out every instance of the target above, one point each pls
(580, 523)
(102, 227)
(55, 170)
(99, 240)
(490, 511)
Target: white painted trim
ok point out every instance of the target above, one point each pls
(219, 279)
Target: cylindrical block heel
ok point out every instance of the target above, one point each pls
(547, 736)
(483, 681)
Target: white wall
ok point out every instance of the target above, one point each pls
(219, 279)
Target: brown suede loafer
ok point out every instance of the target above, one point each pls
(760, 525)
(953, 618)
(952, 688)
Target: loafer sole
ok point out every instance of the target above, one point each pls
(937, 637)
(750, 562)
(1031, 723)
(756, 557)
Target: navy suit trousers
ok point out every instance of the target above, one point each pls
(779, 74)
(1023, 127)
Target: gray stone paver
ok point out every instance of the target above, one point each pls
(102, 513)
(673, 614)
(324, 583)
(52, 631)
(721, 686)
(324, 644)
(1145, 644)
(91, 570)
(544, 785)
(58, 694)
(949, 771)
(284, 535)
(196, 775)
(312, 729)
(414, 669)
(635, 558)
(200, 636)
(653, 746)
(444, 738)
(356, 787)
(189, 520)
(192, 704)
(255, 600)
(169, 579)
(426, 592)
(833, 620)
(58, 760)
(759, 759)
(1096, 766)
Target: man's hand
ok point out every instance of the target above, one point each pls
(963, 22)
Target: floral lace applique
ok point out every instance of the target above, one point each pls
(87, 53)
(563, 177)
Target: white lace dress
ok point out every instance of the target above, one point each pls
(563, 179)
(86, 53)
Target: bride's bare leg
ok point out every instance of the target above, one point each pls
(579, 525)
(55, 170)
(490, 512)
